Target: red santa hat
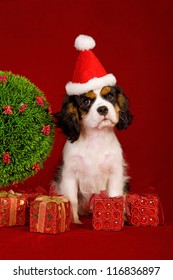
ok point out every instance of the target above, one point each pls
(89, 74)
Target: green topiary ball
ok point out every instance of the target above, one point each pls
(26, 129)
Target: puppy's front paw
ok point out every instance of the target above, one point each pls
(76, 220)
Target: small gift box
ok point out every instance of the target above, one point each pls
(143, 210)
(50, 214)
(108, 213)
(12, 209)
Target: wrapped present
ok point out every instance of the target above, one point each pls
(50, 214)
(144, 210)
(12, 209)
(108, 213)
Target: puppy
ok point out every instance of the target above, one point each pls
(92, 156)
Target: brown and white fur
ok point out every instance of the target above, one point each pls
(92, 156)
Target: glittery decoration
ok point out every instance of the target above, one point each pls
(4, 202)
(142, 210)
(108, 214)
(36, 206)
(22, 202)
(98, 205)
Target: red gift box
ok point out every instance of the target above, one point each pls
(50, 214)
(144, 210)
(12, 209)
(108, 213)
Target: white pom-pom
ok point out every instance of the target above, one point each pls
(84, 43)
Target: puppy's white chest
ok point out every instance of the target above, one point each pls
(94, 164)
(92, 173)
(93, 161)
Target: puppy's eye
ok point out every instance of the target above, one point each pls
(85, 102)
(110, 97)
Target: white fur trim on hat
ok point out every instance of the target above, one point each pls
(92, 84)
(84, 43)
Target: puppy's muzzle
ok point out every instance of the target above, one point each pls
(102, 110)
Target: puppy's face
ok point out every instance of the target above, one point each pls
(99, 108)
(106, 107)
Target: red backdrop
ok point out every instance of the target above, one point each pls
(134, 41)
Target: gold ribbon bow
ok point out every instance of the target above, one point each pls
(3, 194)
(56, 199)
(10, 193)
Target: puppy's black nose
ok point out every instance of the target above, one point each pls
(102, 110)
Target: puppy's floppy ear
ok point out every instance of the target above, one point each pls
(125, 117)
(68, 119)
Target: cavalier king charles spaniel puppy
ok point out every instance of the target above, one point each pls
(92, 156)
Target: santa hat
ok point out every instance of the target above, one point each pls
(89, 74)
